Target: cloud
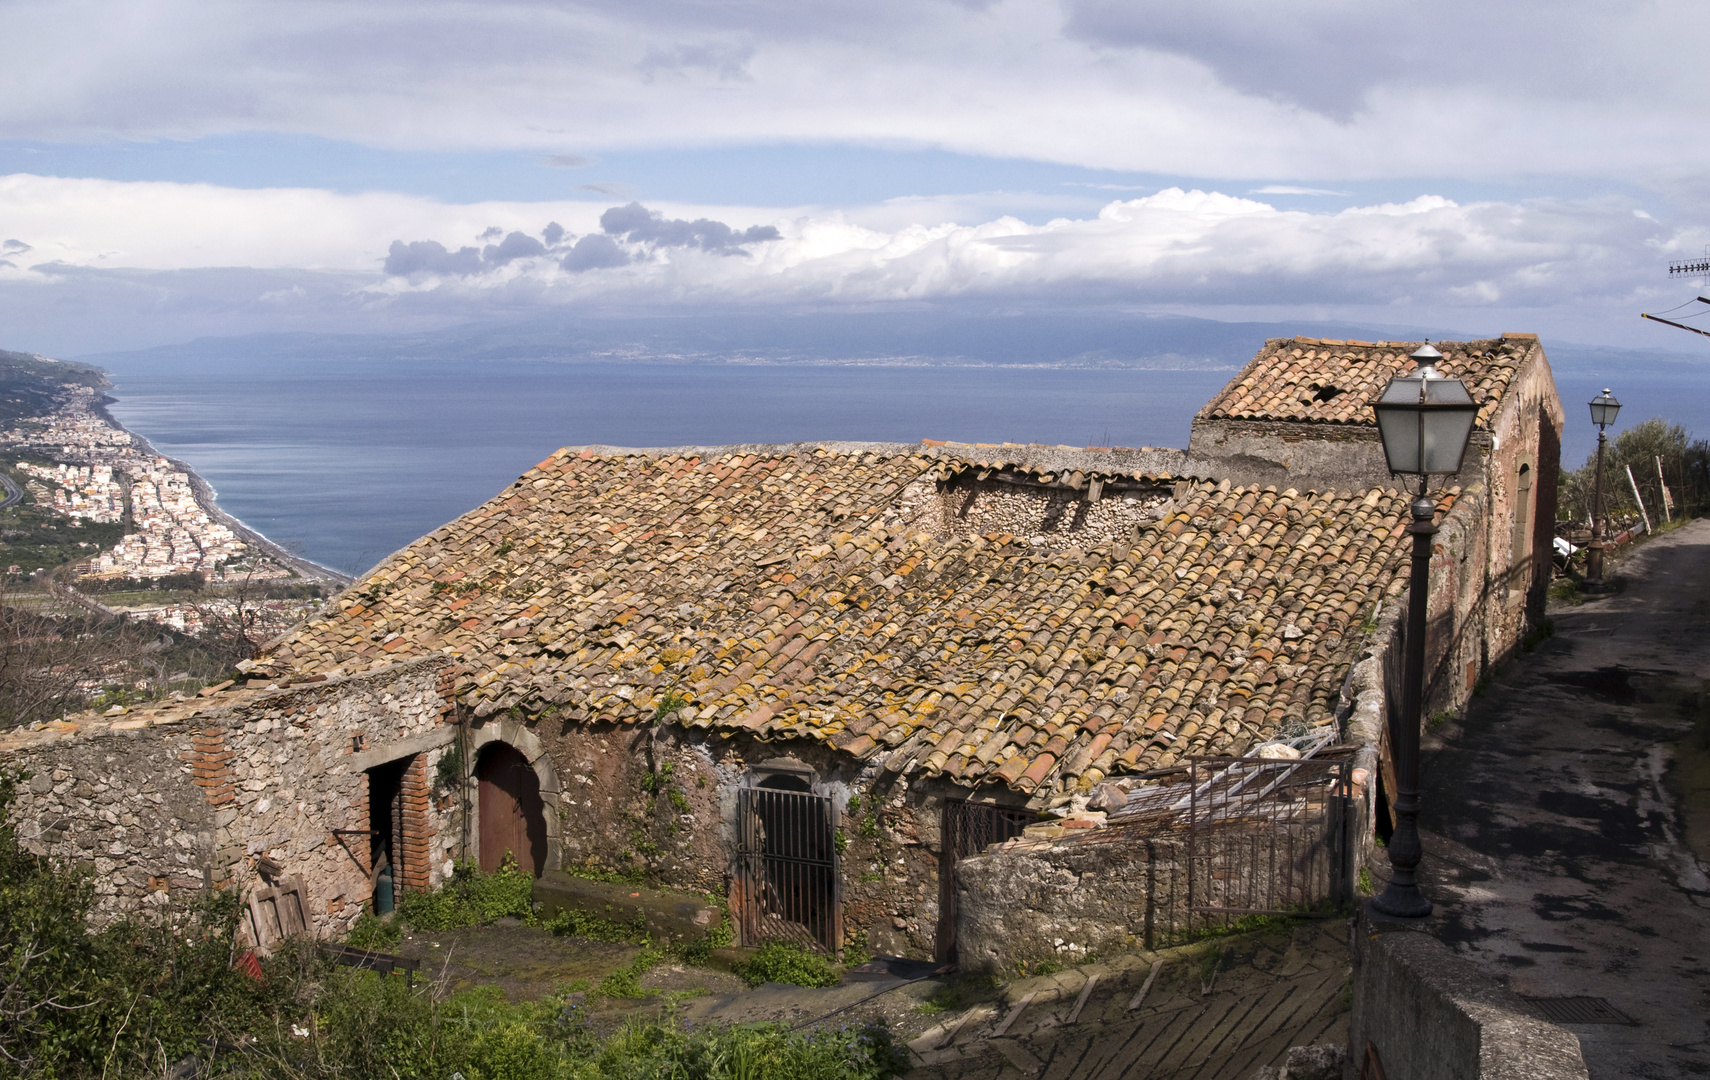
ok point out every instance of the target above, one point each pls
(594, 252)
(15, 247)
(515, 246)
(1176, 249)
(566, 161)
(430, 257)
(637, 224)
(1289, 189)
(1326, 89)
(728, 62)
(611, 191)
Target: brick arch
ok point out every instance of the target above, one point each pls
(525, 742)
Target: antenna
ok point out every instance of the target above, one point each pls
(1699, 268)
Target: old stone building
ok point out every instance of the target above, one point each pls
(816, 679)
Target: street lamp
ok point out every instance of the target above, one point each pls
(1604, 409)
(1425, 421)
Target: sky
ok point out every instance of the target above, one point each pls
(172, 169)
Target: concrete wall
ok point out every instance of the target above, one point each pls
(1429, 1015)
(157, 806)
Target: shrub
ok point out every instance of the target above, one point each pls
(126, 1000)
(472, 898)
(372, 932)
(784, 962)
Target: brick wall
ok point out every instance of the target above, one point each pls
(417, 827)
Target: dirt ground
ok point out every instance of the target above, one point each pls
(1220, 1008)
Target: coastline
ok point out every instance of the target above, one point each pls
(207, 499)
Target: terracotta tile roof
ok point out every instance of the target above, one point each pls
(1324, 381)
(809, 592)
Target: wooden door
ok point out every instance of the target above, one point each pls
(513, 820)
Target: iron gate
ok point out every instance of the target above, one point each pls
(1267, 837)
(967, 829)
(787, 869)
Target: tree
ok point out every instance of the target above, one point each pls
(53, 662)
(1685, 464)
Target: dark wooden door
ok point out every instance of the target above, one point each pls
(513, 819)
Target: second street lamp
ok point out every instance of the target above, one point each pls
(1604, 409)
(1425, 421)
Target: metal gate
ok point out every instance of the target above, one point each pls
(968, 829)
(790, 888)
(1267, 837)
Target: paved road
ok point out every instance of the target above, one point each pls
(1555, 848)
(13, 492)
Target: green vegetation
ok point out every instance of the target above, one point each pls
(448, 773)
(34, 537)
(594, 872)
(1685, 465)
(959, 992)
(786, 962)
(28, 385)
(472, 898)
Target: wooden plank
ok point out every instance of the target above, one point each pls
(1080, 1002)
(1151, 977)
(1015, 1013)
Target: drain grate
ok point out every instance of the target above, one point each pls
(1578, 1010)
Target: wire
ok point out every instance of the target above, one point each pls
(1677, 307)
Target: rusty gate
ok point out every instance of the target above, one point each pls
(787, 869)
(967, 829)
(1267, 837)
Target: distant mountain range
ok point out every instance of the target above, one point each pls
(1098, 339)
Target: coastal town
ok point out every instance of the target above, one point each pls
(99, 468)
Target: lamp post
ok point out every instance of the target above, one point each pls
(1604, 409)
(1425, 421)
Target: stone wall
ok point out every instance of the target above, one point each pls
(128, 808)
(661, 805)
(1427, 1014)
(1111, 891)
(191, 796)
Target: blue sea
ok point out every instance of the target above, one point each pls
(344, 449)
(343, 463)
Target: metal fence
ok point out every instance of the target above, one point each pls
(1267, 837)
(790, 888)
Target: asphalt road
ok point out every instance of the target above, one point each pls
(13, 492)
(1557, 834)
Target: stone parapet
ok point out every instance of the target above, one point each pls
(1424, 1013)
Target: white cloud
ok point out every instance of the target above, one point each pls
(1289, 189)
(1173, 247)
(1308, 88)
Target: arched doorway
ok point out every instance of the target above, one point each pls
(511, 813)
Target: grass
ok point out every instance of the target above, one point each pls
(960, 992)
(785, 962)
